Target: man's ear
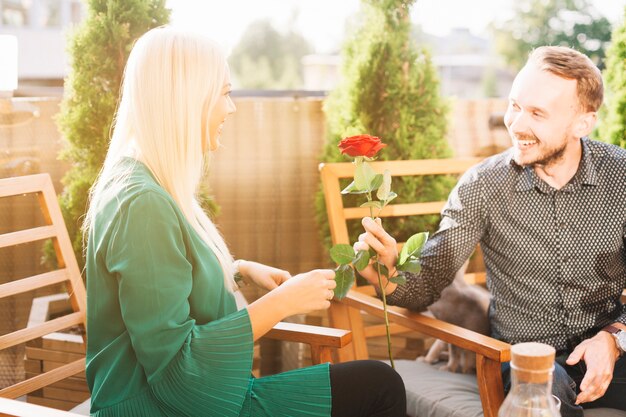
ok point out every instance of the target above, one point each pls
(585, 122)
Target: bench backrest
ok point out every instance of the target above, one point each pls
(67, 273)
(338, 215)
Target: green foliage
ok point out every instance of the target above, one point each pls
(361, 260)
(573, 23)
(612, 126)
(413, 247)
(267, 59)
(342, 253)
(389, 89)
(344, 277)
(489, 83)
(99, 49)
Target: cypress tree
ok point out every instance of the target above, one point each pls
(612, 127)
(389, 89)
(98, 49)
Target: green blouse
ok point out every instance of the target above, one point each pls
(164, 335)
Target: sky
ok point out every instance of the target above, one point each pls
(322, 22)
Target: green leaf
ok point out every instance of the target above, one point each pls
(344, 277)
(364, 176)
(377, 182)
(385, 187)
(411, 265)
(361, 260)
(399, 279)
(375, 204)
(342, 253)
(383, 269)
(351, 189)
(390, 197)
(413, 246)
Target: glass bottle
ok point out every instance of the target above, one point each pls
(532, 365)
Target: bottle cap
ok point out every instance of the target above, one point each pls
(533, 362)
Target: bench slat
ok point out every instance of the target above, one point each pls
(31, 333)
(42, 380)
(34, 282)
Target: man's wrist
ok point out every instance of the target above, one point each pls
(615, 332)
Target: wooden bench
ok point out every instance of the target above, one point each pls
(321, 340)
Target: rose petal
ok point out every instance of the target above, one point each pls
(361, 145)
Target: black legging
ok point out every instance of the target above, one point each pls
(366, 389)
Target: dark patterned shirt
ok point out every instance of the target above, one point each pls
(555, 259)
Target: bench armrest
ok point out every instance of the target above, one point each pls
(458, 336)
(490, 353)
(320, 339)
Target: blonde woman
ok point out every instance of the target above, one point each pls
(164, 335)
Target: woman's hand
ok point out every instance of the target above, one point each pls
(378, 239)
(300, 294)
(308, 291)
(263, 276)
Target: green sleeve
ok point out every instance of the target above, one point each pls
(189, 367)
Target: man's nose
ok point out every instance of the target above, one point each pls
(517, 122)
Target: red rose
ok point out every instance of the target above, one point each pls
(361, 145)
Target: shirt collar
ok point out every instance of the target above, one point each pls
(587, 173)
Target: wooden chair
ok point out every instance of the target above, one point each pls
(347, 313)
(321, 340)
(477, 395)
(338, 216)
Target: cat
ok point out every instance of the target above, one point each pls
(464, 305)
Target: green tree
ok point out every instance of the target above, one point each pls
(612, 126)
(99, 49)
(389, 89)
(489, 82)
(573, 23)
(267, 59)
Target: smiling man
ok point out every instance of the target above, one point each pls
(550, 216)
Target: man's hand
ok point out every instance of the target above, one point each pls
(378, 239)
(599, 354)
(264, 276)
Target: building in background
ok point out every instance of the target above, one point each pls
(467, 65)
(321, 72)
(41, 27)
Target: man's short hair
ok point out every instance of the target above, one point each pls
(572, 65)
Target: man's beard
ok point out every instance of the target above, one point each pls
(546, 159)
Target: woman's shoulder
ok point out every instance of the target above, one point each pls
(139, 194)
(139, 180)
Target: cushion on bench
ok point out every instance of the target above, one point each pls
(435, 393)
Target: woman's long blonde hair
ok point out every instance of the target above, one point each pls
(171, 79)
